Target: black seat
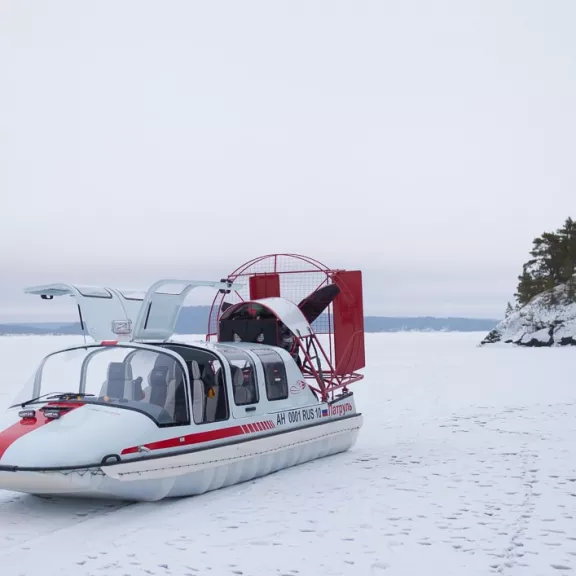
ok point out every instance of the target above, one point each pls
(119, 375)
(159, 385)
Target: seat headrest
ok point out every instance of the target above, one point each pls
(165, 361)
(119, 371)
(159, 376)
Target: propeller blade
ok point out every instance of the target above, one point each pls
(312, 306)
(225, 306)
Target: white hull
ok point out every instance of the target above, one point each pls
(193, 472)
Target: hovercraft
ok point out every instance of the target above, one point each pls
(140, 415)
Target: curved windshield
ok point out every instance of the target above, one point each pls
(135, 378)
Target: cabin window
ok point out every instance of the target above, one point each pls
(244, 384)
(274, 374)
(207, 385)
(209, 401)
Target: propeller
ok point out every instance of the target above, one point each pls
(314, 304)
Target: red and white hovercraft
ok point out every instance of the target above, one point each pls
(139, 415)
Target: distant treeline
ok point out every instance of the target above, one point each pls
(194, 320)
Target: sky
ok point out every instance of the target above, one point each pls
(425, 143)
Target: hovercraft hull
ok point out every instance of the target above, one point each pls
(192, 472)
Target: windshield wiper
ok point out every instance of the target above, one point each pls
(58, 396)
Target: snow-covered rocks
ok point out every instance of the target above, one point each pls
(549, 319)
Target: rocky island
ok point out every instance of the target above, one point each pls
(545, 310)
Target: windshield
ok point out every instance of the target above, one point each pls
(135, 378)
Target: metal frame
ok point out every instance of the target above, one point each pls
(317, 365)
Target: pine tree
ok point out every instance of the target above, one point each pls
(571, 290)
(529, 285)
(567, 235)
(552, 262)
(509, 310)
(570, 281)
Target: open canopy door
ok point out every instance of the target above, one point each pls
(159, 312)
(113, 314)
(105, 313)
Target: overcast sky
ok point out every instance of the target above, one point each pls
(426, 143)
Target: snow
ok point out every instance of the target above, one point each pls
(466, 465)
(539, 322)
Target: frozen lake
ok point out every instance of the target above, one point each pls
(466, 465)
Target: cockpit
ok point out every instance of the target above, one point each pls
(172, 384)
(142, 379)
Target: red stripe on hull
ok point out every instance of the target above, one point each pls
(201, 437)
(190, 439)
(23, 427)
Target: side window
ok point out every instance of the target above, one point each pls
(209, 401)
(207, 392)
(244, 384)
(274, 374)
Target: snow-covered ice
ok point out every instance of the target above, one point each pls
(466, 465)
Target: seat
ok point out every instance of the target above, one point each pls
(181, 403)
(211, 382)
(222, 409)
(175, 392)
(198, 393)
(157, 391)
(119, 383)
(163, 382)
(242, 393)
